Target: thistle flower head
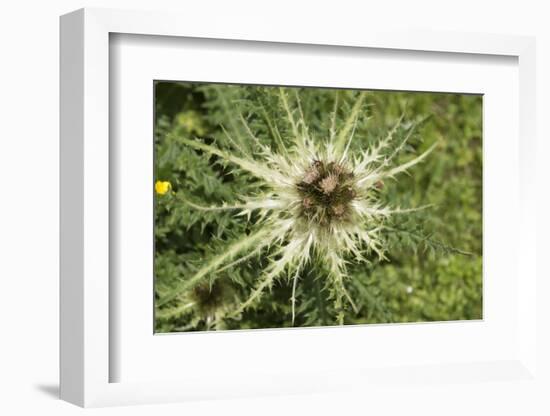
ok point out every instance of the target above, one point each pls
(318, 201)
(327, 191)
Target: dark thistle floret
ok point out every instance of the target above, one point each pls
(329, 183)
(326, 189)
(312, 174)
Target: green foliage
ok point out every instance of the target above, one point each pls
(433, 270)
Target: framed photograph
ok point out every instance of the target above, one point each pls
(266, 213)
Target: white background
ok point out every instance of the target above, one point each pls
(29, 209)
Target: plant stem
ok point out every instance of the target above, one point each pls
(320, 302)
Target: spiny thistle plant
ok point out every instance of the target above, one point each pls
(313, 198)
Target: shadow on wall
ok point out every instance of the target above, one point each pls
(51, 390)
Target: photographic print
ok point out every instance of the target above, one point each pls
(279, 207)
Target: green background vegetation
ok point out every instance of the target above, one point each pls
(434, 266)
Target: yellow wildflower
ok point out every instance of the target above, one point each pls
(161, 187)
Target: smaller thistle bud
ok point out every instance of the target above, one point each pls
(211, 298)
(328, 184)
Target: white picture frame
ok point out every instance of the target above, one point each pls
(86, 353)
